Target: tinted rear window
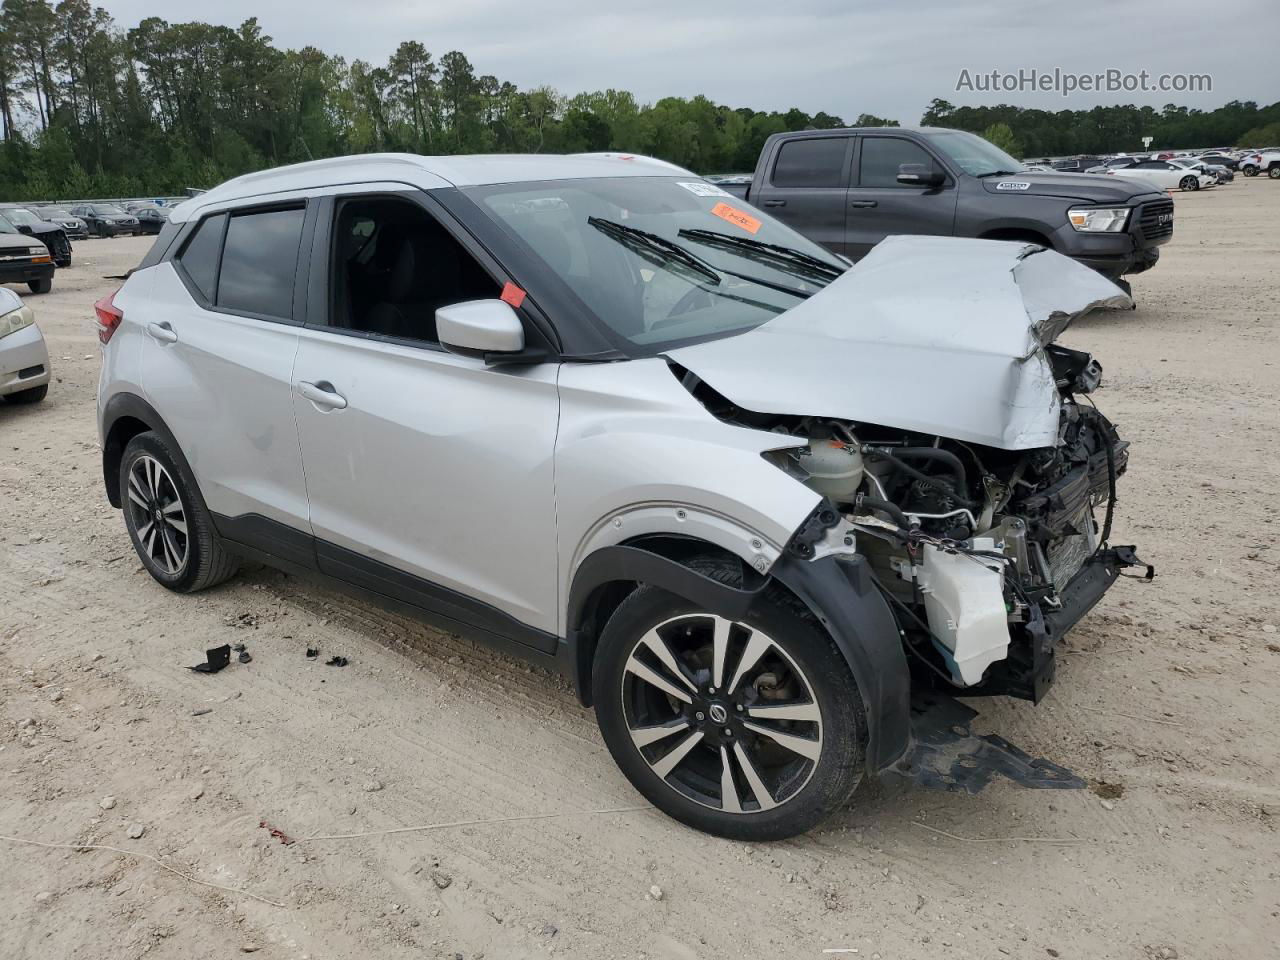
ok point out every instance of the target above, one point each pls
(200, 256)
(811, 163)
(258, 262)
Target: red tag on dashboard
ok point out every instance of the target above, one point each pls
(513, 295)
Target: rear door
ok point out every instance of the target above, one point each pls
(880, 206)
(221, 336)
(806, 186)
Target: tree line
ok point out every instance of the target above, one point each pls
(89, 109)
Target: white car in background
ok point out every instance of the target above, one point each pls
(24, 360)
(1252, 164)
(1166, 174)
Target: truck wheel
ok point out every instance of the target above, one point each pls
(40, 286)
(749, 729)
(1190, 183)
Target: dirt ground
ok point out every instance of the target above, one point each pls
(1167, 699)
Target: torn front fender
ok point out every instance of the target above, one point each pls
(938, 335)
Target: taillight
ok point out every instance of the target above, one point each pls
(109, 315)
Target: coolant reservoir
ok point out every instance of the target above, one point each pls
(834, 468)
(964, 601)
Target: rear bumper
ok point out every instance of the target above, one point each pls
(115, 229)
(24, 360)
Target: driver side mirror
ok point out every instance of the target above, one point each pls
(477, 328)
(920, 175)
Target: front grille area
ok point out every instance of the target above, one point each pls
(1149, 224)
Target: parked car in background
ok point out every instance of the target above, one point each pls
(849, 189)
(1219, 173)
(24, 358)
(71, 225)
(1075, 164)
(151, 216)
(747, 582)
(1267, 161)
(1167, 175)
(1114, 163)
(24, 259)
(1221, 160)
(107, 219)
(48, 233)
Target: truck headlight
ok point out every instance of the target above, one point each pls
(38, 251)
(1099, 220)
(15, 320)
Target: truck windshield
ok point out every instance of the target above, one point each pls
(973, 155)
(661, 260)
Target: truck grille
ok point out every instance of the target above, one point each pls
(1155, 220)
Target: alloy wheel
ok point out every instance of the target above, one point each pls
(721, 713)
(157, 515)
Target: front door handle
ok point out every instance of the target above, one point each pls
(775, 203)
(862, 203)
(162, 331)
(323, 394)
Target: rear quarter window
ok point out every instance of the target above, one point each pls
(199, 258)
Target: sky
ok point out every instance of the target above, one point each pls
(846, 58)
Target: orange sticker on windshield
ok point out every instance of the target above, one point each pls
(736, 217)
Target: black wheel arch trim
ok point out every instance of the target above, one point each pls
(131, 405)
(838, 590)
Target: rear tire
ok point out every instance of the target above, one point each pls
(167, 520)
(30, 395)
(729, 776)
(1249, 170)
(40, 286)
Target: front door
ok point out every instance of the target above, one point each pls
(879, 206)
(429, 474)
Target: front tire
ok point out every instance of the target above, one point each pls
(40, 286)
(750, 729)
(29, 395)
(167, 520)
(1274, 172)
(1190, 183)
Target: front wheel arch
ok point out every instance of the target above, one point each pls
(839, 591)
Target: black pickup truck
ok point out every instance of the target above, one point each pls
(849, 189)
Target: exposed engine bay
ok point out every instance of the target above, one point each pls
(985, 554)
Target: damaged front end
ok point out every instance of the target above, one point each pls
(977, 480)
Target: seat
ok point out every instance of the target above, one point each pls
(422, 275)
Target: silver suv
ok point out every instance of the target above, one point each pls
(766, 511)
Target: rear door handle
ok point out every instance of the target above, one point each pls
(774, 203)
(162, 332)
(323, 394)
(862, 203)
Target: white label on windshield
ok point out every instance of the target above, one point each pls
(703, 189)
(1013, 185)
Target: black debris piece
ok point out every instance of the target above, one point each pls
(215, 660)
(312, 653)
(244, 656)
(336, 662)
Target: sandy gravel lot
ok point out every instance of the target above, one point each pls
(1168, 692)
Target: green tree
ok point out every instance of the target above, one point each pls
(1001, 136)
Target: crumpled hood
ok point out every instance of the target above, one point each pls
(938, 335)
(1085, 187)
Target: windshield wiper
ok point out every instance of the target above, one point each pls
(774, 252)
(663, 252)
(1000, 173)
(660, 247)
